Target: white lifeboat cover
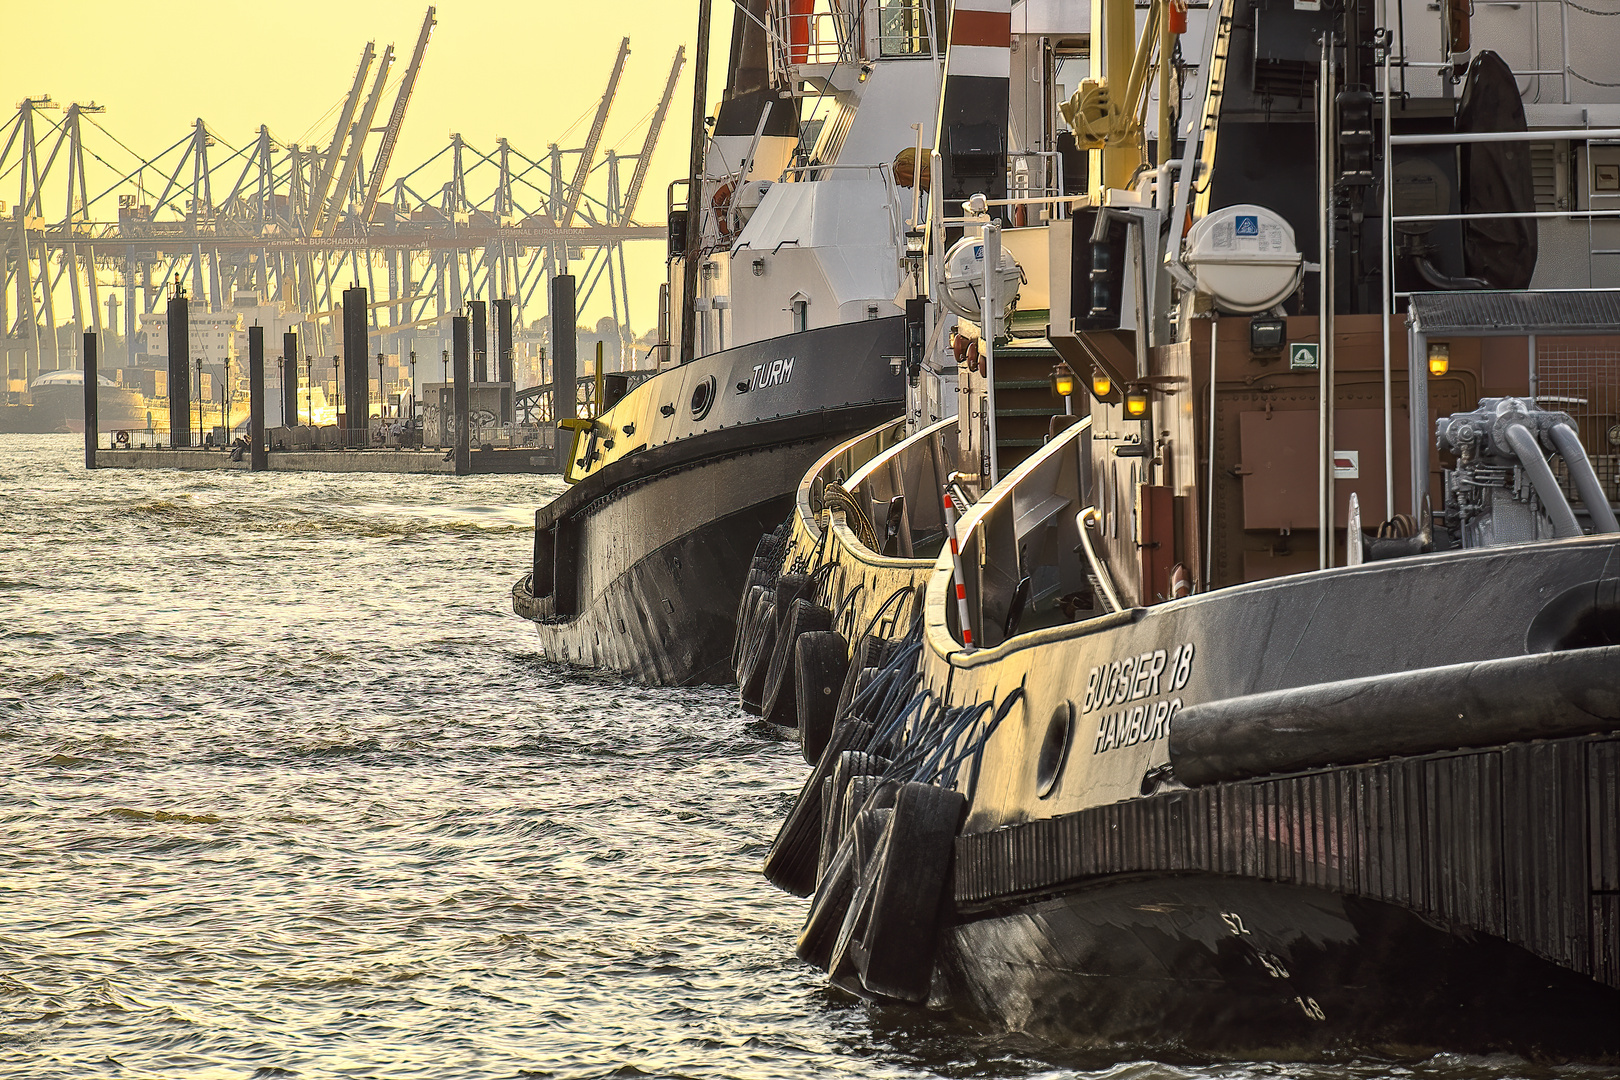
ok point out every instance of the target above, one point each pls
(1245, 257)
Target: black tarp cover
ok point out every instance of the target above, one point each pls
(1496, 178)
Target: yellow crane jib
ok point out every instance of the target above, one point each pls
(1105, 113)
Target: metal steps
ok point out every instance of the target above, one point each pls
(1025, 403)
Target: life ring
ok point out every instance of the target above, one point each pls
(820, 665)
(722, 207)
(121, 438)
(885, 948)
(779, 703)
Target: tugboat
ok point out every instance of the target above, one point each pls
(1158, 745)
(785, 333)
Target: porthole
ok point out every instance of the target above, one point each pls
(703, 398)
(1054, 749)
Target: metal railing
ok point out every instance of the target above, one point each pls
(816, 38)
(1020, 185)
(1584, 381)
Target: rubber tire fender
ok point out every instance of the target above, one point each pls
(820, 665)
(887, 942)
(780, 705)
(851, 767)
(756, 664)
(747, 617)
(819, 935)
(790, 865)
(873, 652)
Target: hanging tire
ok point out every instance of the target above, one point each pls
(873, 652)
(840, 813)
(779, 703)
(757, 664)
(791, 587)
(790, 865)
(745, 617)
(820, 665)
(819, 934)
(747, 622)
(888, 938)
(852, 765)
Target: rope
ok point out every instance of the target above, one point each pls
(837, 497)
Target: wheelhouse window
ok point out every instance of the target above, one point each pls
(904, 26)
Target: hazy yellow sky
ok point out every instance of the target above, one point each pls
(523, 71)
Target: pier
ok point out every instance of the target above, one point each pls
(355, 265)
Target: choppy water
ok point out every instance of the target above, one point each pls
(287, 792)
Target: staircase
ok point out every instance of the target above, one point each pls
(1025, 403)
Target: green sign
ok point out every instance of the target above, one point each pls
(1304, 356)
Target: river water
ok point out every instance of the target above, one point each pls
(288, 792)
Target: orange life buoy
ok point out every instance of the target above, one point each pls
(722, 207)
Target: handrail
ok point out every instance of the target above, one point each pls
(1504, 136)
(1106, 583)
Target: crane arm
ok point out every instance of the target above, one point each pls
(587, 156)
(357, 143)
(328, 168)
(385, 152)
(644, 160)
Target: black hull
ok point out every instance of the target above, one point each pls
(639, 566)
(1463, 901)
(1228, 966)
(662, 556)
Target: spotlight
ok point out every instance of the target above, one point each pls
(1266, 335)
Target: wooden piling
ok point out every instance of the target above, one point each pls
(564, 349)
(180, 370)
(480, 340)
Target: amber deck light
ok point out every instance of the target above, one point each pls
(1136, 402)
(1063, 380)
(1101, 384)
(1439, 358)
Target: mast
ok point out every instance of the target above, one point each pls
(694, 191)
